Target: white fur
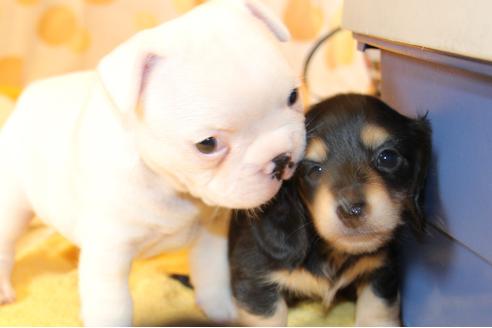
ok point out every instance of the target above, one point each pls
(372, 310)
(118, 185)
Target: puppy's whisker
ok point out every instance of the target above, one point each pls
(215, 212)
(439, 222)
(253, 213)
(298, 229)
(310, 130)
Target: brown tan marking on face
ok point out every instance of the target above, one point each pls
(373, 136)
(317, 150)
(382, 217)
(326, 220)
(322, 210)
(384, 209)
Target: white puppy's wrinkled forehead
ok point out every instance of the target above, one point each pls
(224, 40)
(225, 92)
(221, 59)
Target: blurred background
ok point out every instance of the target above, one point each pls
(42, 38)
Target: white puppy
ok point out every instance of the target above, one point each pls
(134, 158)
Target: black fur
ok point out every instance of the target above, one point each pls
(385, 280)
(283, 236)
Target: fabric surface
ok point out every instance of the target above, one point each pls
(45, 280)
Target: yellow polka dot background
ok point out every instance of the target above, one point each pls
(57, 25)
(42, 38)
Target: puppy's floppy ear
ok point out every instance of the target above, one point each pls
(423, 146)
(282, 230)
(264, 14)
(124, 71)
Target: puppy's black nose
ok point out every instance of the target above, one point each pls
(280, 161)
(351, 213)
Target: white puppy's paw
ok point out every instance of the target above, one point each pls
(217, 305)
(7, 293)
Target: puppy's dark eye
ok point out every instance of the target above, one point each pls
(314, 172)
(294, 94)
(207, 146)
(388, 159)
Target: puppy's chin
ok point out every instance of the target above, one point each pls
(357, 243)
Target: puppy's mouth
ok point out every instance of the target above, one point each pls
(356, 242)
(363, 236)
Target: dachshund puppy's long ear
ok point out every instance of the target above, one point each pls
(421, 131)
(282, 231)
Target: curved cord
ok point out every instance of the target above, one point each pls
(313, 50)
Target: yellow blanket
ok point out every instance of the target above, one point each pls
(45, 279)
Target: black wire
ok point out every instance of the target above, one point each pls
(313, 50)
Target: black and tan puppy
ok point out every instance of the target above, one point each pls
(335, 224)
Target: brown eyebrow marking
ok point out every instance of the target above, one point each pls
(373, 136)
(317, 150)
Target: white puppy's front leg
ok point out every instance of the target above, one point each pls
(210, 271)
(105, 296)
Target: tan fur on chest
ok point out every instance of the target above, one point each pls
(364, 265)
(304, 283)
